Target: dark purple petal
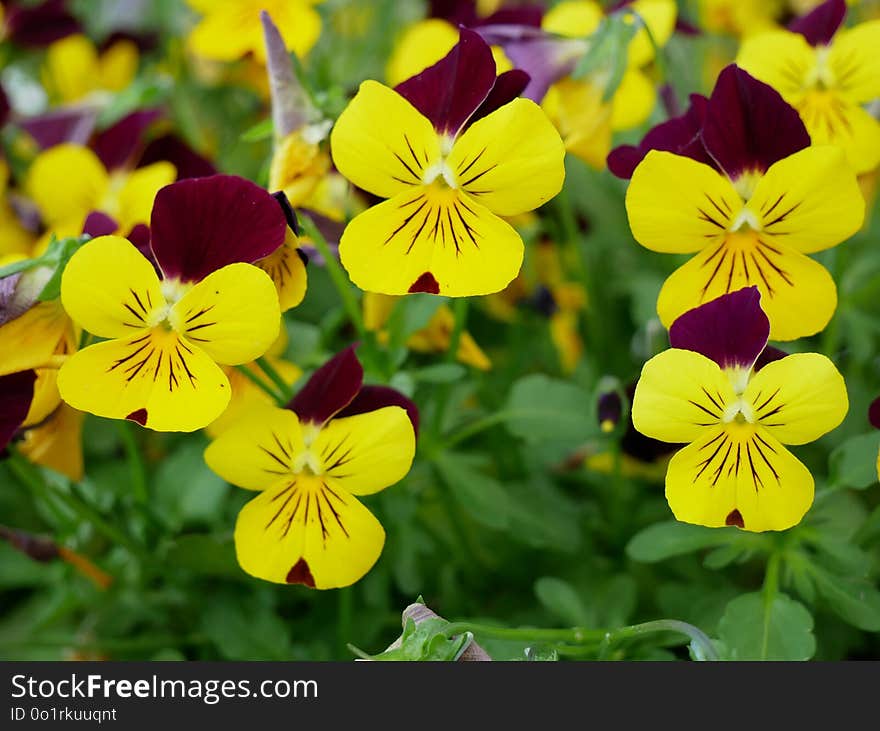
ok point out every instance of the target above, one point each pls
(371, 398)
(4, 107)
(749, 126)
(874, 413)
(16, 394)
(507, 87)
(545, 57)
(287, 210)
(527, 15)
(330, 389)
(187, 162)
(609, 409)
(686, 28)
(119, 145)
(768, 355)
(820, 24)
(99, 224)
(457, 12)
(451, 90)
(39, 25)
(680, 135)
(144, 41)
(732, 330)
(64, 125)
(200, 225)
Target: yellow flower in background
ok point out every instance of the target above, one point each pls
(14, 238)
(828, 74)
(67, 182)
(739, 17)
(287, 264)
(447, 183)
(309, 464)
(435, 337)
(74, 69)
(734, 413)
(230, 29)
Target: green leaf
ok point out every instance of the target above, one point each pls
(854, 463)
(440, 373)
(754, 629)
(855, 600)
(207, 555)
(426, 641)
(607, 57)
(665, 540)
(543, 409)
(260, 131)
(481, 496)
(562, 600)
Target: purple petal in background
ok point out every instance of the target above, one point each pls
(749, 126)
(4, 107)
(874, 413)
(39, 25)
(732, 330)
(119, 145)
(99, 224)
(371, 398)
(820, 24)
(528, 15)
(16, 394)
(74, 125)
(457, 12)
(680, 135)
(451, 90)
(768, 355)
(202, 224)
(187, 162)
(330, 389)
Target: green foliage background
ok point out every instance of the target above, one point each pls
(489, 526)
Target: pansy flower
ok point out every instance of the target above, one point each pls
(75, 69)
(16, 394)
(337, 440)
(452, 150)
(36, 24)
(828, 75)
(735, 405)
(167, 337)
(230, 29)
(287, 264)
(751, 202)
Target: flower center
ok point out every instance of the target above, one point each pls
(308, 461)
(173, 291)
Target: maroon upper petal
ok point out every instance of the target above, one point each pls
(371, 398)
(732, 330)
(98, 223)
(821, 23)
(768, 355)
(16, 394)
(874, 413)
(457, 12)
(39, 25)
(748, 125)
(4, 107)
(202, 224)
(187, 162)
(528, 15)
(680, 135)
(62, 125)
(119, 145)
(507, 87)
(330, 389)
(451, 90)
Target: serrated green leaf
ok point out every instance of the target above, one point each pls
(481, 496)
(854, 600)
(542, 409)
(854, 463)
(754, 629)
(562, 600)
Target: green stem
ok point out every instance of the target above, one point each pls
(460, 311)
(770, 590)
(136, 465)
(275, 377)
(344, 618)
(480, 425)
(262, 385)
(339, 277)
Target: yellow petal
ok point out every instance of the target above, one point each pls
(833, 120)
(46, 397)
(71, 69)
(138, 192)
(573, 18)
(809, 201)
(738, 477)
(153, 377)
(680, 395)
(259, 450)
(232, 314)
(582, 118)
(298, 166)
(367, 452)
(227, 32)
(421, 45)
(798, 398)
(377, 310)
(288, 271)
(118, 65)
(30, 341)
(381, 143)
(797, 293)
(633, 101)
(679, 205)
(431, 235)
(854, 62)
(659, 16)
(300, 26)
(57, 443)
(110, 288)
(511, 161)
(66, 181)
(307, 531)
(779, 58)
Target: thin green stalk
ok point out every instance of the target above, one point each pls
(339, 277)
(441, 397)
(344, 617)
(770, 590)
(275, 377)
(136, 466)
(262, 385)
(480, 425)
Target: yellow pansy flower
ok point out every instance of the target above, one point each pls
(74, 69)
